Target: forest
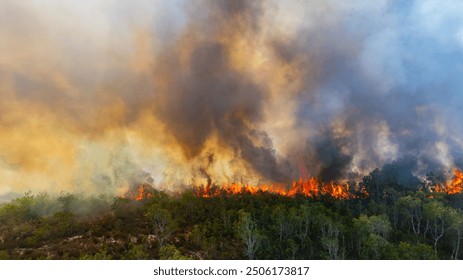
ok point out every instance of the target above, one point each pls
(398, 217)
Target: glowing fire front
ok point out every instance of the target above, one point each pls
(314, 188)
(453, 186)
(311, 187)
(305, 187)
(140, 193)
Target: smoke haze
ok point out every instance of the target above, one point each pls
(99, 95)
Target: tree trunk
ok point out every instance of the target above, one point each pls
(438, 234)
(458, 244)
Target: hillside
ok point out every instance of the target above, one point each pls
(393, 221)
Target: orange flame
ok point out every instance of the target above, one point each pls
(453, 186)
(306, 187)
(140, 193)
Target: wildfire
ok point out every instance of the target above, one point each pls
(310, 187)
(454, 186)
(306, 187)
(139, 193)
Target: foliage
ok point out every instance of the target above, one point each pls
(102, 255)
(4, 255)
(248, 232)
(170, 252)
(397, 221)
(135, 252)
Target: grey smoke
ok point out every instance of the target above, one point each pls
(377, 83)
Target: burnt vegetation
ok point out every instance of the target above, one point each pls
(401, 218)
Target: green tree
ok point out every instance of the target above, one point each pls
(135, 252)
(415, 252)
(170, 252)
(330, 238)
(435, 214)
(455, 217)
(4, 255)
(19, 210)
(407, 251)
(411, 209)
(101, 255)
(162, 222)
(66, 201)
(249, 234)
(372, 233)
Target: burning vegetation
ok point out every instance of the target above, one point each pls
(315, 188)
(256, 97)
(139, 193)
(453, 186)
(204, 97)
(303, 187)
(380, 217)
(309, 188)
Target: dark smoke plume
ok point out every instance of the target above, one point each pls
(274, 90)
